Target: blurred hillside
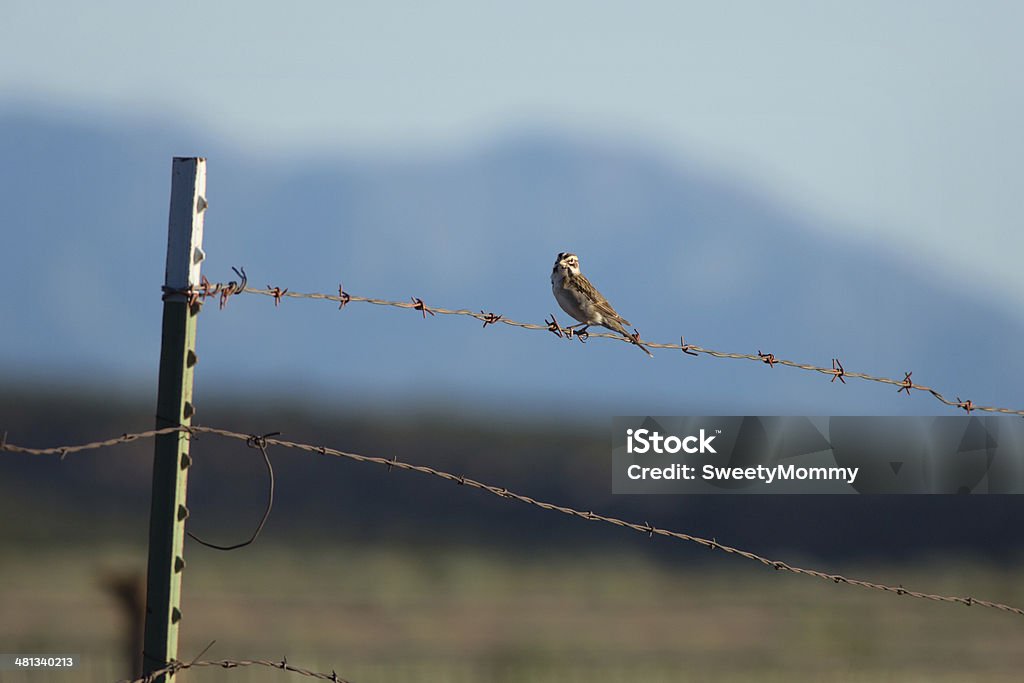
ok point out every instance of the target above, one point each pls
(102, 496)
(679, 249)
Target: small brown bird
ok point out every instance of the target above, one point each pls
(581, 300)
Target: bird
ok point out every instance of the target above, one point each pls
(582, 301)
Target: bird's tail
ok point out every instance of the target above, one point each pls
(633, 338)
(642, 347)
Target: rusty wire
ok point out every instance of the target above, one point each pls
(502, 492)
(175, 666)
(343, 298)
(260, 443)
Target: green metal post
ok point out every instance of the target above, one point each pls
(171, 460)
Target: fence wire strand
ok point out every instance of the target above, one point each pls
(175, 666)
(502, 492)
(225, 290)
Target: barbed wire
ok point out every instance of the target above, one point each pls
(197, 295)
(502, 492)
(176, 666)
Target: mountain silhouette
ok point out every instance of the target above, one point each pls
(678, 249)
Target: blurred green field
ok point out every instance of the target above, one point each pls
(436, 613)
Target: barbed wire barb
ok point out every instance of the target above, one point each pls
(277, 293)
(635, 339)
(490, 318)
(343, 297)
(686, 347)
(837, 371)
(553, 326)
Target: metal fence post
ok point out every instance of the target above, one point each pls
(174, 407)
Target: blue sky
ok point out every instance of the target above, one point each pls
(899, 121)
